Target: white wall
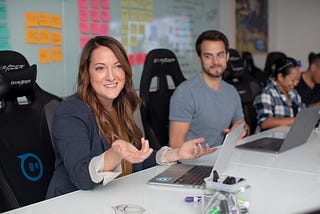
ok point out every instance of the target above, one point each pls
(294, 27)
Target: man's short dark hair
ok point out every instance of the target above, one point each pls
(211, 35)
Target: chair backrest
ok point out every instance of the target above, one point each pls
(272, 57)
(237, 75)
(161, 74)
(247, 86)
(26, 153)
(258, 74)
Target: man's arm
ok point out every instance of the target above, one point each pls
(177, 133)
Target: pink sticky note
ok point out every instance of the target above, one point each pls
(105, 15)
(131, 59)
(94, 3)
(140, 58)
(95, 28)
(95, 16)
(83, 14)
(83, 40)
(84, 28)
(104, 29)
(105, 3)
(82, 4)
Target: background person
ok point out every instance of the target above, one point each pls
(278, 103)
(205, 105)
(309, 85)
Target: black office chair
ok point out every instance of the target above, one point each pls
(258, 74)
(272, 57)
(161, 74)
(26, 153)
(247, 87)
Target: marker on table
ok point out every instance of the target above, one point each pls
(192, 199)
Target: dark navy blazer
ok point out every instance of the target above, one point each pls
(76, 141)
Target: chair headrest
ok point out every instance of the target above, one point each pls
(17, 78)
(164, 61)
(235, 65)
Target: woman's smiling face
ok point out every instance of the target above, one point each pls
(107, 76)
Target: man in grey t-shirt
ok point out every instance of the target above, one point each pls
(205, 105)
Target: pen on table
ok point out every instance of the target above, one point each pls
(192, 199)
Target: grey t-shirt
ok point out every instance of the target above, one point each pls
(208, 111)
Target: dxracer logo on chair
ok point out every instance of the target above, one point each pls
(31, 166)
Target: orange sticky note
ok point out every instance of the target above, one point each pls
(44, 55)
(57, 54)
(32, 36)
(55, 21)
(56, 38)
(44, 20)
(44, 37)
(31, 19)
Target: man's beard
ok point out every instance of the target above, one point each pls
(214, 74)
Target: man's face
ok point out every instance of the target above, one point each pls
(213, 58)
(316, 72)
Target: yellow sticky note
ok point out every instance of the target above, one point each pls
(133, 41)
(31, 19)
(141, 16)
(124, 3)
(124, 40)
(133, 15)
(44, 55)
(142, 29)
(57, 54)
(32, 36)
(56, 38)
(44, 20)
(149, 5)
(44, 37)
(133, 28)
(55, 21)
(124, 15)
(124, 28)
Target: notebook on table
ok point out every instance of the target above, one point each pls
(186, 175)
(298, 134)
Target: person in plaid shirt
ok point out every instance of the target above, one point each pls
(278, 103)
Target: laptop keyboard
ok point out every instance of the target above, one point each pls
(195, 175)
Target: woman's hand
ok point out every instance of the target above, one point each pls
(191, 149)
(130, 153)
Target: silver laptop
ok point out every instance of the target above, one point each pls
(187, 175)
(298, 134)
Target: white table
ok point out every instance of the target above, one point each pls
(285, 183)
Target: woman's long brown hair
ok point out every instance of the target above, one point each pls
(125, 104)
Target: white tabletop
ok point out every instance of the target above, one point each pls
(304, 158)
(285, 183)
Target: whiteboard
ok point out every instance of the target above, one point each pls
(172, 24)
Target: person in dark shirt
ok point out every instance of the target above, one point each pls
(309, 85)
(95, 136)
